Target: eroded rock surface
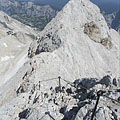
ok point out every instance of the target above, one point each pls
(66, 69)
(47, 43)
(93, 31)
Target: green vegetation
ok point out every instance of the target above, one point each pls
(38, 22)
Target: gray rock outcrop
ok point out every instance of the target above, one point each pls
(72, 62)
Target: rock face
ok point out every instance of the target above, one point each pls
(28, 12)
(47, 43)
(15, 39)
(73, 58)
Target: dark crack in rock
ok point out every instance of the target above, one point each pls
(25, 114)
(47, 43)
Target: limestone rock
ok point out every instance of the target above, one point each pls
(47, 43)
(15, 40)
(66, 69)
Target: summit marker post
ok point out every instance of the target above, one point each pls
(59, 78)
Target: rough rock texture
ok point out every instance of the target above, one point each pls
(61, 79)
(108, 103)
(75, 42)
(47, 43)
(93, 32)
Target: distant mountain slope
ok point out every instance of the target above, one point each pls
(113, 20)
(116, 22)
(28, 13)
(56, 4)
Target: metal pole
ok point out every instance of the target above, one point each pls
(99, 93)
(59, 83)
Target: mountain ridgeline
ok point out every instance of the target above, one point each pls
(68, 71)
(38, 13)
(28, 13)
(56, 4)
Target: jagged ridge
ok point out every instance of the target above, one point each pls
(86, 50)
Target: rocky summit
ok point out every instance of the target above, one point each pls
(72, 71)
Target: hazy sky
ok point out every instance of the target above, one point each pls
(108, 5)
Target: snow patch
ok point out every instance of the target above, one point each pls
(16, 67)
(12, 56)
(6, 58)
(5, 44)
(19, 46)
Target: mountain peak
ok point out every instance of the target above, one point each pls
(88, 21)
(72, 61)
